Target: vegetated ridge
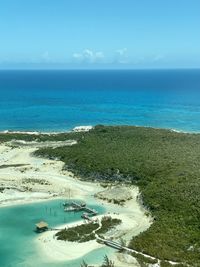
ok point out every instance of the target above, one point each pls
(166, 167)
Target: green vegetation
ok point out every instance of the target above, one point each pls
(143, 261)
(80, 233)
(35, 181)
(6, 137)
(106, 263)
(108, 223)
(4, 166)
(84, 264)
(84, 232)
(166, 264)
(166, 167)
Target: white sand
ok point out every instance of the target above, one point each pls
(83, 128)
(57, 250)
(24, 188)
(59, 183)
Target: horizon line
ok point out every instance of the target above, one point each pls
(98, 69)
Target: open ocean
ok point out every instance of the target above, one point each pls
(61, 100)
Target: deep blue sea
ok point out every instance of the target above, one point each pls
(61, 100)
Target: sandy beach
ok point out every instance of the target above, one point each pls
(25, 178)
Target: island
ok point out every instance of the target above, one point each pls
(147, 178)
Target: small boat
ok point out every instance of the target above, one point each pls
(70, 209)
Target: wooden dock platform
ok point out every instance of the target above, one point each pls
(74, 206)
(110, 243)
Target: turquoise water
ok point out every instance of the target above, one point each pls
(17, 223)
(60, 100)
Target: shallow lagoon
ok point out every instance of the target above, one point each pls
(17, 224)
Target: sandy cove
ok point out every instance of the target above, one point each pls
(57, 250)
(25, 178)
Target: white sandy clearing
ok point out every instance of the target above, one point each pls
(28, 177)
(124, 260)
(13, 196)
(58, 250)
(83, 128)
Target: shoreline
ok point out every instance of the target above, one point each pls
(83, 128)
(55, 250)
(71, 130)
(46, 178)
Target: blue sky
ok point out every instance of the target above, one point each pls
(99, 34)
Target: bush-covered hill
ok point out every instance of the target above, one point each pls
(166, 167)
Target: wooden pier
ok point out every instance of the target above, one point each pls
(110, 243)
(113, 244)
(73, 209)
(74, 206)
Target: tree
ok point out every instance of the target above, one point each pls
(84, 264)
(107, 262)
(122, 242)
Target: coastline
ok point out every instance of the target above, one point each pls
(133, 220)
(20, 176)
(26, 178)
(72, 130)
(83, 128)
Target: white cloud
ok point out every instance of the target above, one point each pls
(122, 56)
(122, 51)
(46, 56)
(158, 57)
(99, 55)
(77, 56)
(88, 56)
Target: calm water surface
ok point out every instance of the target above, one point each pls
(17, 223)
(60, 100)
